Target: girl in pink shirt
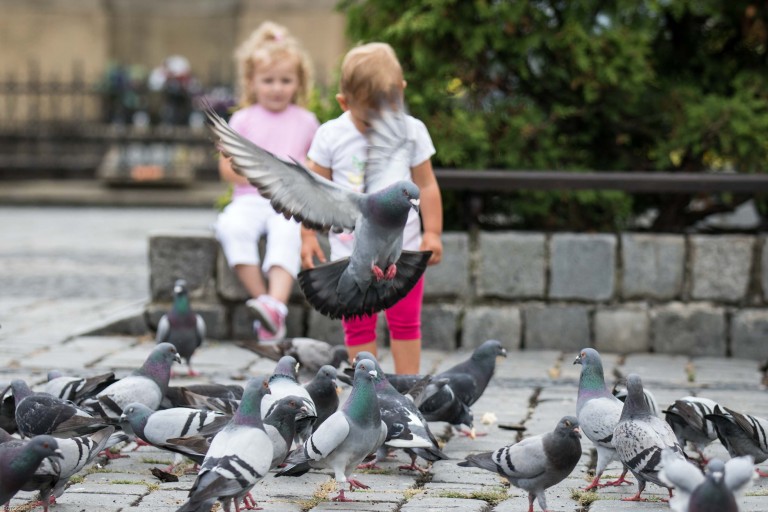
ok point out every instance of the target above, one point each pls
(274, 80)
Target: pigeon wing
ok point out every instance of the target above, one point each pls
(292, 189)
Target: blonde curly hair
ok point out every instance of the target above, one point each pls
(268, 43)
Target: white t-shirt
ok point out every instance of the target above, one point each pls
(339, 146)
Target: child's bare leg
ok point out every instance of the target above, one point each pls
(253, 281)
(353, 350)
(406, 355)
(280, 284)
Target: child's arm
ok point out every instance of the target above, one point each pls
(228, 174)
(310, 247)
(431, 210)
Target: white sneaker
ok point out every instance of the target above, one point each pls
(270, 318)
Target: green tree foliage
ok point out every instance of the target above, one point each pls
(583, 85)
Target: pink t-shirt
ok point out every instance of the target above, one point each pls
(287, 134)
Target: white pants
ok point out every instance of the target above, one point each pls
(244, 221)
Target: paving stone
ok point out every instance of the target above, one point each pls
(582, 266)
(720, 266)
(692, 329)
(451, 277)
(523, 274)
(716, 371)
(355, 505)
(483, 323)
(653, 368)
(183, 255)
(749, 332)
(622, 329)
(426, 502)
(556, 326)
(653, 266)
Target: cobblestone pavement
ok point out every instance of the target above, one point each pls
(43, 328)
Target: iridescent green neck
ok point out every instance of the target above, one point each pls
(181, 303)
(358, 405)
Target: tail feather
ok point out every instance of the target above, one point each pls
(320, 287)
(482, 461)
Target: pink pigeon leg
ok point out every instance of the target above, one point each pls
(391, 272)
(356, 484)
(377, 272)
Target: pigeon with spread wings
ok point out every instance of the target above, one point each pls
(379, 272)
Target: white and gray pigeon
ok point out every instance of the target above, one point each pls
(715, 491)
(406, 427)
(181, 326)
(76, 389)
(53, 474)
(379, 272)
(284, 382)
(239, 456)
(311, 354)
(41, 413)
(344, 440)
(741, 434)
(18, 464)
(598, 411)
(640, 438)
(146, 385)
(536, 463)
(159, 428)
(687, 417)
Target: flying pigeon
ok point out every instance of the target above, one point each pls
(687, 417)
(598, 411)
(76, 389)
(181, 326)
(406, 426)
(714, 491)
(282, 383)
(450, 394)
(239, 456)
(640, 437)
(146, 385)
(379, 272)
(535, 463)
(18, 464)
(157, 428)
(344, 440)
(310, 353)
(324, 393)
(741, 434)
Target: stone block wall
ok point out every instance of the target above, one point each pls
(676, 294)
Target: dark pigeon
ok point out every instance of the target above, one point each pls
(378, 273)
(311, 354)
(687, 417)
(324, 393)
(741, 434)
(346, 438)
(181, 326)
(284, 382)
(280, 426)
(18, 464)
(239, 456)
(640, 437)
(146, 385)
(536, 463)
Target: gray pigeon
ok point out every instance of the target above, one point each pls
(640, 437)
(687, 417)
(536, 463)
(213, 397)
(158, 428)
(450, 394)
(741, 434)
(18, 464)
(598, 411)
(181, 326)
(284, 382)
(311, 354)
(146, 385)
(76, 389)
(41, 413)
(324, 393)
(343, 441)
(52, 476)
(239, 456)
(406, 426)
(716, 491)
(378, 273)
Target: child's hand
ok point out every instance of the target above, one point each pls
(310, 249)
(431, 242)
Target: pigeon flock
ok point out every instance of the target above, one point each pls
(236, 435)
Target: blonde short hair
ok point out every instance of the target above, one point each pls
(270, 42)
(371, 73)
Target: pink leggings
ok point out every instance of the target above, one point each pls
(403, 319)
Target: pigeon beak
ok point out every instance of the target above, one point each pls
(177, 357)
(577, 430)
(177, 290)
(58, 453)
(415, 204)
(296, 369)
(373, 373)
(338, 391)
(472, 433)
(577, 360)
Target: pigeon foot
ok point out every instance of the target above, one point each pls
(391, 272)
(369, 465)
(760, 473)
(414, 467)
(619, 481)
(140, 443)
(249, 503)
(109, 454)
(636, 497)
(340, 497)
(356, 484)
(377, 272)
